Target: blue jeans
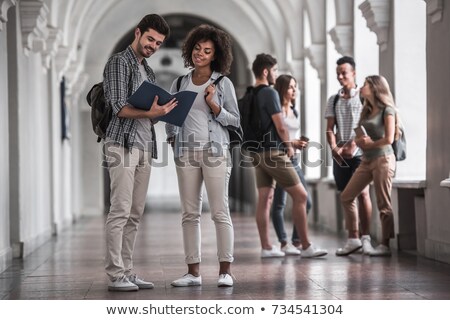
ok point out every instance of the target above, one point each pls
(279, 203)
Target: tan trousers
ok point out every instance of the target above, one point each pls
(129, 174)
(381, 171)
(194, 168)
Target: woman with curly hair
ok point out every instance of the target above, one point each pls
(201, 148)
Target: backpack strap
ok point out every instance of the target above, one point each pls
(256, 89)
(217, 80)
(294, 111)
(179, 82)
(254, 101)
(215, 83)
(335, 100)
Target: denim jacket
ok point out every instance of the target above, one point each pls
(228, 117)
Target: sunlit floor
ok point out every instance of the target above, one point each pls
(71, 267)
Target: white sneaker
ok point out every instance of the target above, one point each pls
(313, 252)
(273, 253)
(225, 280)
(122, 284)
(140, 283)
(381, 251)
(290, 250)
(351, 246)
(366, 244)
(188, 280)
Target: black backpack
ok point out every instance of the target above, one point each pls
(101, 114)
(399, 143)
(253, 132)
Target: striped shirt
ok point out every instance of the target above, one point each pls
(346, 114)
(121, 78)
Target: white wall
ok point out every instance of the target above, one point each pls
(437, 198)
(5, 248)
(311, 158)
(365, 46)
(34, 176)
(410, 83)
(31, 219)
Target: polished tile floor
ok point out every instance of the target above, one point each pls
(71, 267)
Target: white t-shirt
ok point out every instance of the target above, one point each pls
(195, 127)
(143, 139)
(293, 125)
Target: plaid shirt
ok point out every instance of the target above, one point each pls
(121, 78)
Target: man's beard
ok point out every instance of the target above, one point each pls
(144, 52)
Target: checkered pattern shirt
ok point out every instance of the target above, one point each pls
(121, 78)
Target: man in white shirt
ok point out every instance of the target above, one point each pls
(342, 113)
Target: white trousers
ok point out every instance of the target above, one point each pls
(194, 168)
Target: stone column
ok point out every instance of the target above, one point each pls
(342, 34)
(33, 19)
(4, 6)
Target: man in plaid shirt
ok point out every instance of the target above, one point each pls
(129, 147)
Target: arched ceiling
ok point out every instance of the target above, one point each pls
(91, 28)
(107, 29)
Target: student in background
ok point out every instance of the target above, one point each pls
(342, 113)
(286, 86)
(273, 165)
(378, 164)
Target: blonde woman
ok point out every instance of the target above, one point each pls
(378, 164)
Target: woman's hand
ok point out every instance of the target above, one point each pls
(290, 152)
(171, 141)
(348, 149)
(364, 142)
(299, 144)
(209, 94)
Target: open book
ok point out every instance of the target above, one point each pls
(145, 94)
(360, 131)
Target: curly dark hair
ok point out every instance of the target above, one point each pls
(223, 56)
